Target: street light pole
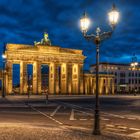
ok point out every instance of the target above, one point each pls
(3, 75)
(97, 114)
(3, 89)
(97, 38)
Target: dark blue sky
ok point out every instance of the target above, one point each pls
(24, 21)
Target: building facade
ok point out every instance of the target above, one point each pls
(106, 83)
(127, 79)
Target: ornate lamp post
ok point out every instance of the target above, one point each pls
(97, 38)
(3, 75)
(134, 65)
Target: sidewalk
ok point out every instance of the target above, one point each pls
(40, 100)
(25, 97)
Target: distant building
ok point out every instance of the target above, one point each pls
(127, 79)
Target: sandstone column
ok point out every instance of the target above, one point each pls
(81, 80)
(75, 78)
(91, 85)
(106, 85)
(109, 85)
(35, 71)
(9, 68)
(86, 87)
(69, 69)
(113, 85)
(94, 85)
(52, 78)
(23, 77)
(57, 79)
(64, 86)
(101, 85)
(39, 77)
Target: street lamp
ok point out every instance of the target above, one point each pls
(134, 65)
(3, 74)
(97, 38)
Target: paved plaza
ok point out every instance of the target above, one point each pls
(70, 117)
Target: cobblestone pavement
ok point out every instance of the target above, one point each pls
(29, 132)
(68, 119)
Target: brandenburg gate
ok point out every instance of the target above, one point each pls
(66, 75)
(69, 61)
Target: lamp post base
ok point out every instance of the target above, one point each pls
(97, 123)
(96, 132)
(3, 96)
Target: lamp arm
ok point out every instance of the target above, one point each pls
(89, 37)
(105, 35)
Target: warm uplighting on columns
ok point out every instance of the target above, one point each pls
(84, 22)
(113, 16)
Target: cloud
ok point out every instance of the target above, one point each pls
(23, 21)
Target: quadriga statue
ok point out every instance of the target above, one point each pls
(45, 41)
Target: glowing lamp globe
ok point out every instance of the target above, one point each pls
(132, 64)
(113, 16)
(3, 56)
(84, 22)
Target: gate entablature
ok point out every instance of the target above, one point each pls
(43, 53)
